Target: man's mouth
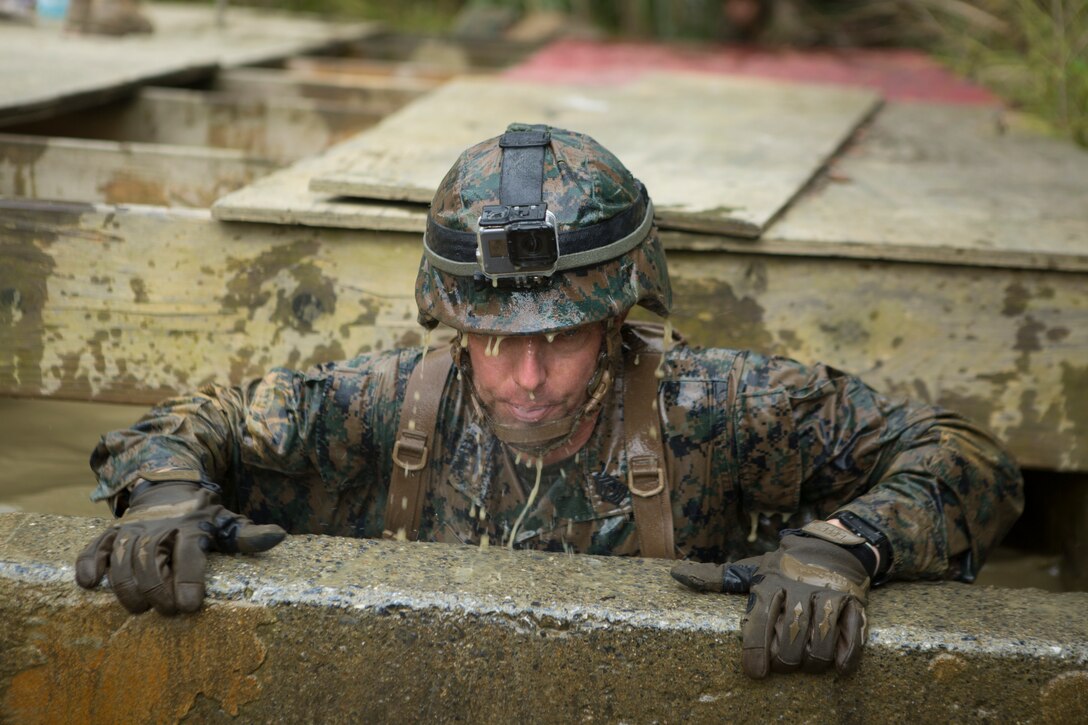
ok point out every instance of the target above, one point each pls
(532, 413)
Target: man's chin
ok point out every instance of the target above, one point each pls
(517, 416)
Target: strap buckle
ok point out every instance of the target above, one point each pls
(529, 137)
(414, 444)
(642, 473)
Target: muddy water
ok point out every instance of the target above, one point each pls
(1016, 569)
(45, 444)
(44, 448)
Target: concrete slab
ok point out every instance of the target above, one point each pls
(45, 71)
(379, 95)
(348, 630)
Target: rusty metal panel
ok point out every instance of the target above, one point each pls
(115, 173)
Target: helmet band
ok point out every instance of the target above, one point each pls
(451, 251)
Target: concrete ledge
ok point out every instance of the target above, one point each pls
(325, 629)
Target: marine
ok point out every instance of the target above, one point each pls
(552, 422)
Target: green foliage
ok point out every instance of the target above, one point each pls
(1033, 53)
(420, 16)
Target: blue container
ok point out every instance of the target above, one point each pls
(52, 9)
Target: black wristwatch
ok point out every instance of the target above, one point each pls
(873, 536)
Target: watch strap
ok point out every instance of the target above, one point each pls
(873, 536)
(856, 545)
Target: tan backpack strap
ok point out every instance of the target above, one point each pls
(415, 444)
(647, 473)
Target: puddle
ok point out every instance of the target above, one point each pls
(1016, 569)
(44, 449)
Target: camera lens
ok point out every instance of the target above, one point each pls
(533, 249)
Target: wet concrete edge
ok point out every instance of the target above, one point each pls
(339, 629)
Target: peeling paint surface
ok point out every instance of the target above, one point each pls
(1006, 348)
(143, 305)
(140, 303)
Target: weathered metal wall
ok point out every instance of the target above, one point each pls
(338, 630)
(135, 303)
(281, 129)
(130, 303)
(1006, 347)
(378, 95)
(115, 172)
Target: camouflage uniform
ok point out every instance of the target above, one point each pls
(753, 444)
(311, 451)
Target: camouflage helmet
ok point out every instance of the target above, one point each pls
(609, 254)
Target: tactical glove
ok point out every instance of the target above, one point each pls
(156, 551)
(806, 601)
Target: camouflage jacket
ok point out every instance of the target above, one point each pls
(311, 451)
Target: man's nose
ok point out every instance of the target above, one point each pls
(530, 370)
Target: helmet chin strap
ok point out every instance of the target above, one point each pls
(540, 439)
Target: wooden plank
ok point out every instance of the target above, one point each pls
(284, 197)
(368, 68)
(44, 71)
(931, 184)
(135, 303)
(717, 154)
(377, 96)
(282, 130)
(122, 173)
(249, 36)
(948, 183)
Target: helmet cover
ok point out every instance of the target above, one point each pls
(593, 197)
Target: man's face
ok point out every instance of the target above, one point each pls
(528, 379)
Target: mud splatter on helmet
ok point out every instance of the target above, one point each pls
(609, 255)
(534, 232)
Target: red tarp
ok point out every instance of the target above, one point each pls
(899, 75)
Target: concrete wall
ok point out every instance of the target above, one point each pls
(323, 629)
